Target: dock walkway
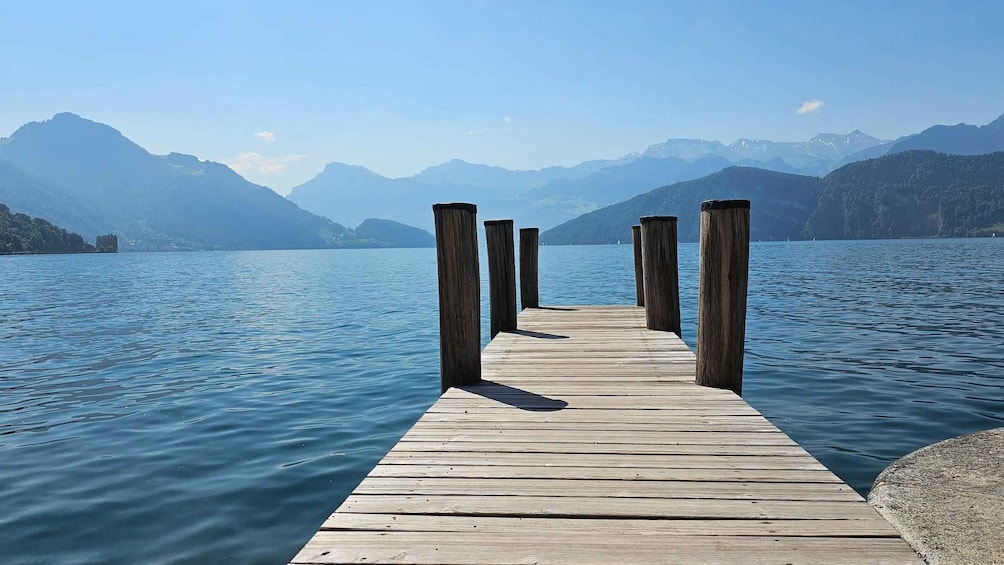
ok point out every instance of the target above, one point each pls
(589, 442)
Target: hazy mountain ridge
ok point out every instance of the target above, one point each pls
(960, 139)
(568, 193)
(459, 172)
(783, 202)
(388, 233)
(549, 196)
(335, 191)
(174, 201)
(90, 178)
(561, 200)
(819, 153)
(33, 196)
(908, 194)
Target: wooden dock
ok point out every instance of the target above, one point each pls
(589, 442)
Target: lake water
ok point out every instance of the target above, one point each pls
(216, 407)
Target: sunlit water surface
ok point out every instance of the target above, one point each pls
(215, 407)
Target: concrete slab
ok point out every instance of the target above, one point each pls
(947, 499)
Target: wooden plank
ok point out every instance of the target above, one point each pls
(657, 438)
(620, 473)
(597, 448)
(602, 460)
(564, 506)
(565, 416)
(611, 527)
(608, 488)
(593, 547)
(517, 396)
(611, 387)
(685, 424)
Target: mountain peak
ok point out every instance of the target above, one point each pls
(183, 159)
(997, 124)
(347, 171)
(66, 127)
(68, 116)
(855, 136)
(339, 166)
(456, 165)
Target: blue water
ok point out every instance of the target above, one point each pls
(215, 407)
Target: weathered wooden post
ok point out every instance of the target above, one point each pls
(721, 305)
(459, 294)
(661, 273)
(529, 241)
(501, 275)
(639, 280)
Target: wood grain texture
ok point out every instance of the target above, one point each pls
(501, 276)
(660, 272)
(529, 242)
(590, 442)
(721, 309)
(537, 544)
(639, 276)
(459, 294)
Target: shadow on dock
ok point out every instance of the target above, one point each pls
(516, 397)
(539, 335)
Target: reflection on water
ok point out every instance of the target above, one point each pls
(198, 407)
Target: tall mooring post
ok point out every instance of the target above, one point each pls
(639, 277)
(501, 276)
(660, 271)
(721, 308)
(459, 294)
(529, 241)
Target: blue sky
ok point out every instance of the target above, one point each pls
(398, 86)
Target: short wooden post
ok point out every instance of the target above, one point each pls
(721, 305)
(529, 239)
(639, 280)
(501, 275)
(459, 294)
(661, 273)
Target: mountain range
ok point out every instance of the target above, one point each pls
(548, 197)
(817, 155)
(89, 178)
(905, 194)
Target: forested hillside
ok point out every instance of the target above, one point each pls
(912, 194)
(20, 233)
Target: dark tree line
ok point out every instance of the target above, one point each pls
(20, 233)
(107, 243)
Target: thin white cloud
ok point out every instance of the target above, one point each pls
(266, 136)
(251, 162)
(475, 131)
(507, 119)
(810, 107)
